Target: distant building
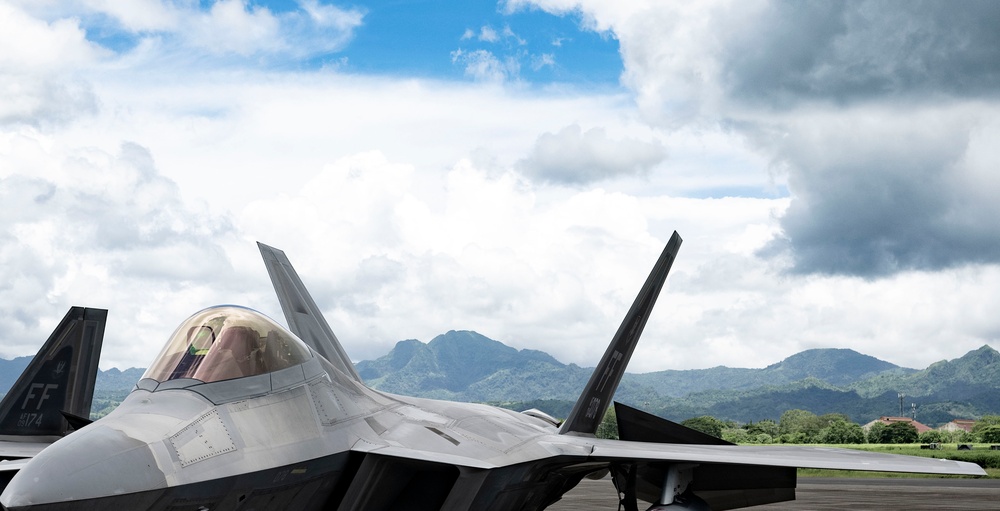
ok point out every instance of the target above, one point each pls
(921, 428)
(958, 425)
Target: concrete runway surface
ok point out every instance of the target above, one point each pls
(821, 494)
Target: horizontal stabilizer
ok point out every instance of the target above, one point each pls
(638, 426)
(301, 312)
(59, 379)
(75, 421)
(590, 407)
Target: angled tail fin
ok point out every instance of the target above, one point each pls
(303, 316)
(60, 379)
(590, 407)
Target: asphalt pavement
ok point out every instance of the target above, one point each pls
(822, 494)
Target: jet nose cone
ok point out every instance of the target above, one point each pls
(92, 463)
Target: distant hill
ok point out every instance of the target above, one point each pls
(10, 370)
(111, 387)
(834, 366)
(467, 366)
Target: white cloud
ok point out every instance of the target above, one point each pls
(484, 66)
(509, 34)
(488, 34)
(100, 229)
(332, 16)
(38, 60)
(577, 157)
(230, 28)
(160, 31)
(28, 44)
(401, 204)
(140, 15)
(543, 60)
(868, 128)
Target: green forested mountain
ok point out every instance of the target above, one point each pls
(470, 367)
(832, 366)
(467, 366)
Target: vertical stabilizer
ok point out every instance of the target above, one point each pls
(60, 379)
(590, 407)
(303, 316)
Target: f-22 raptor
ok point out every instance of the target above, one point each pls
(53, 395)
(238, 413)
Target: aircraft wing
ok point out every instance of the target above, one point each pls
(10, 450)
(779, 456)
(736, 476)
(10, 466)
(723, 476)
(792, 456)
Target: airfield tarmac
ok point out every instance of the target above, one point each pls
(822, 494)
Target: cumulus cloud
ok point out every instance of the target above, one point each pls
(848, 52)
(573, 156)
(218, 30)
(870, 110)
(414, 206)
(82, 226)
(487, 255)
(37, 65)
(900, 191)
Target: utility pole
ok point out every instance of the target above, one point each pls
(901, 396)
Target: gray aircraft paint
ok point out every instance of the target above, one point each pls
(312, 436)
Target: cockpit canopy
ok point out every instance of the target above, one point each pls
(226, 342)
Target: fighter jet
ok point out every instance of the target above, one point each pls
(238, 413)
(52, 397)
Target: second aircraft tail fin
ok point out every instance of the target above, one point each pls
(60, 379)
(593, 403)
(301, 312)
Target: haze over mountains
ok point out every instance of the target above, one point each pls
(467, 366)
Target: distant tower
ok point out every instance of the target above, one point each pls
(913, 411)
(901, 396)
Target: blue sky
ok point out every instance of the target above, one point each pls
(511, 168)
(419, 38)
(436, 39)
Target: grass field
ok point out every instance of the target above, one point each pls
(980, 454)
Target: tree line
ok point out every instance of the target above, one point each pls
(805, 427)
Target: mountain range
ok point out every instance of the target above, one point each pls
(467, 366)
